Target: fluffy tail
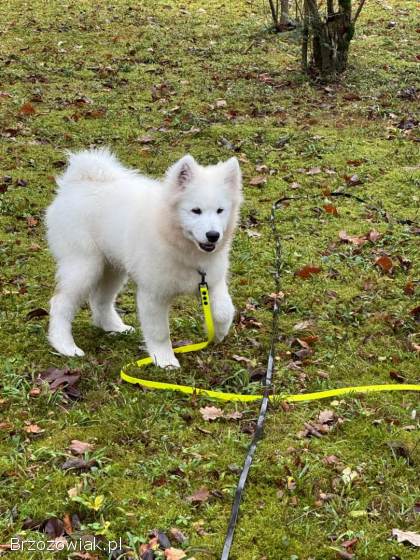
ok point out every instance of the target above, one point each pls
(97, 165)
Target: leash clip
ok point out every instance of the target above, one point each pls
(203, 278)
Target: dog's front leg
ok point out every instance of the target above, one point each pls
(222, 309)
(153, 314)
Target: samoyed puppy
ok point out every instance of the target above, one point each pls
(108, 223)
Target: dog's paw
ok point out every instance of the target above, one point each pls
(70, 350)
(166, 362)
(112, 325)
(121, 329)
(221, 331)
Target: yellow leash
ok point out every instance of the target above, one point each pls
(188, 390)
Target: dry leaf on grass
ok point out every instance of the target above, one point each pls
(303, 325)
(35, 313)
(324, 423)
(53, 527)
(330, 209)
(308, 271)
(79, 447)
(61, 379)
(354, 239)
(174, 554)
(27, 109)
(200, 496)
(211, 413)
(243, 359)
(177, 535)
(33, 429)
(384, 263)
(407, 536)
(258, 181)
(78, 464)
(314, 171)
(326, 417)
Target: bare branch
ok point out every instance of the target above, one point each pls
(359, 9)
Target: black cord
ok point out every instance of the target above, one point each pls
(265, 399)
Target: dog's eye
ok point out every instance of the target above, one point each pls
(196, 210)
(219, 210)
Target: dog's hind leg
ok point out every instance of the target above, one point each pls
(76, 277)
(102, 300)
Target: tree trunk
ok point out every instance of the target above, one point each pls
(330, 38)
(284, 13)
(305, 37)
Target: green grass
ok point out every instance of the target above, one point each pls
(150, 446)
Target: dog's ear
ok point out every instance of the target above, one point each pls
(233, 175)
(182, 172)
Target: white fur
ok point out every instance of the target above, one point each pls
(108, 222)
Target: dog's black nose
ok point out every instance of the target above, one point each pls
(212, 236)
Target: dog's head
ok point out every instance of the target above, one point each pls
(205, 200)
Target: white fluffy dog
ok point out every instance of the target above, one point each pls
(108, 222)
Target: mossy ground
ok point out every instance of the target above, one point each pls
(151, 452)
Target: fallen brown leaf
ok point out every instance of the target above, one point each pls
(308, 271)
(407, 536)
(353, 180)
(314, 171)
(35, 313)
(350, 543)
(354, 239)
(373, 235)
(326, 417)
(345, 555)
(384, 263)
(79, 447)
(416, 314)
(33, 429)
(177, 535)
(397, 376)
(258, 181)
(31, 221)
(53, 527)
(303, 325)
(27, 109)
(174, 554)
(409, 288)
(78, 464)
(330, 209)
(211, 413)
(202, 495)
(242, 359)
(60, 379)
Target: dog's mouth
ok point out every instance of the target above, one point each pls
(208, 247)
